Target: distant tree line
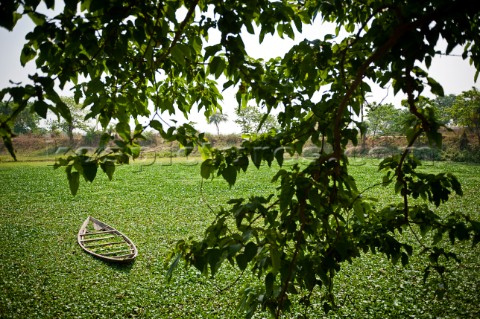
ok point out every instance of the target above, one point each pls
(29, 122)
(460, 113)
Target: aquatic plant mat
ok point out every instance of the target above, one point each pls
(45, 274)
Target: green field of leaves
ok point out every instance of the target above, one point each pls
(45, 274)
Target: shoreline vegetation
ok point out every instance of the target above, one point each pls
(31, 147)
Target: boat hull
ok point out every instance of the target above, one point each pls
(105, 242)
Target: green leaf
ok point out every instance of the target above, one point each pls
(220, 68)
(234, 249)
(104, 139)
(108, 168)
(216, 66)
(456, 186)
(178, 56)
(50, 4)
(229, 173)
(242, 162)
(404, 259)
(207, 168)
(275, 256)
(37, 18)
(89, 170)
(310, 278)
(27, 54)
(214, 259)
(437, 237)
(269, 283)
(134, 150)
(41, 108)
(70, 4)
(7, 141)
(435, 87)
(426, 273)
(286, 194)
(64, 111)
(123, 129)
(8, 14)
(250, 251)
(173, 266)
(435, 138)
(257, 157)
(156, 125)
(211, 50)
(242, 261)
(359, 211)
(73, 182)
(428, 61)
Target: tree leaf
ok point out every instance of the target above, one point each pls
(214, 259)
(269, 283)
(173, 266)
(275, 257)
(156, 125)
(435, 87)
(229, 173)
(108, 168)
(250, 251)
(73, 182)
(211, 50)
(242, 261)
(207, 168)
(41, 108)
(7, 141)
(178, 56)
(27, 54)
(216, 66)
(89, 170)
(37, 18)
(123, 129)
(286, 194)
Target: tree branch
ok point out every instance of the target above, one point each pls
(397, 35)
(179, 32)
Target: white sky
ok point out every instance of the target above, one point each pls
(452, 72)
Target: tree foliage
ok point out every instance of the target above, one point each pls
(27, 121)
(252, 120)
(123, 57)
(465, 111)
(385, 119)
(217, 118)
(77, 121)
(442, 106)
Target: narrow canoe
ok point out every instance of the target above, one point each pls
(105, 242)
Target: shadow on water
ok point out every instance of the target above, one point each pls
(120, 266)
(123, 266)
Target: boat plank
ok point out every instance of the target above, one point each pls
(122, 256)
(118, 251)
(96, 239)
(102, 250)
(105, 244)
(100, 232)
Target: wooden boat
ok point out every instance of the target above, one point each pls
(105, 242)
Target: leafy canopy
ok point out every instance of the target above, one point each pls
(217, 118)
(26, 121)
(465, 111)
(385, 119)
(252, 120)
(127, 59)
